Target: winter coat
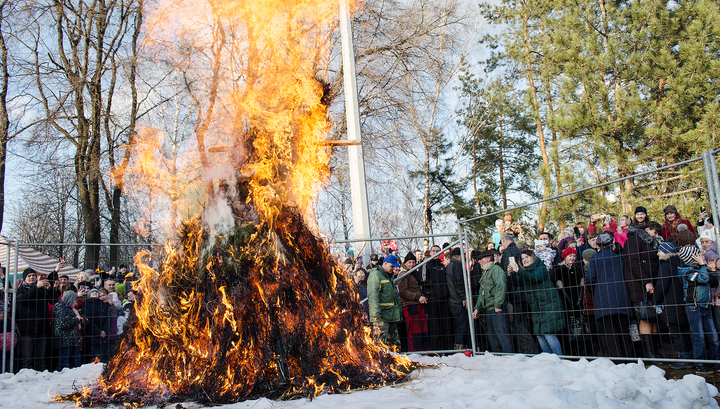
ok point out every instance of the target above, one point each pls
(97, 313)
(640, 263)
(409, 290)
(455, 283)
(605, 277)
(434, 284)
(669, 291)
(546, 308)
(33, 310)
(670, 230)
(515, 290)
(493, 284)
(571, 278)
(382, 297)
(67, 326)
(696, 287)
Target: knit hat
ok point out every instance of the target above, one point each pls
(569, 231)
(667, 248)
(568, 251)
(507, 217)
(28, 271)
(670, 209)
(94, 290)
(640, 209)
(455, 251)
(349, 252)
(374, 257)
(587, 254)
(684, 236)
(687, 254)
(409, 257)
(68, 298)
(706, 234)
(605, 239)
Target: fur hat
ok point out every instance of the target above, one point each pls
(687, 253)
(409, 257)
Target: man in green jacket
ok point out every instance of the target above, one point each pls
(384, 301)
(491, 302)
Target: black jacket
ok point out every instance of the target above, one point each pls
(33, 310)
(669, 291)
(455, 283)
(98, 319)
(434, 284)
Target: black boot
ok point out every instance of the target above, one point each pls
(648, 350)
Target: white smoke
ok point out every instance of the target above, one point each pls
(218, 215)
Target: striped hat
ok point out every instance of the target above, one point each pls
(687, 253)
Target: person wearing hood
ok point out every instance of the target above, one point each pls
(672, 221)
(695, 274)
(68, 324)
(34, 296)
(604, 276)
(384, 302)
(669, 294)
(548, 317)
(492, 302)
(640, 265)
(413, 304)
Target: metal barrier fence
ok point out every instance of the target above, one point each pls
(625, 302)
(28, 309)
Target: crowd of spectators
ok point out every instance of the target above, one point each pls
(627, 288)
(61, 323)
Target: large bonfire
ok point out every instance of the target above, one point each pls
(259, 308)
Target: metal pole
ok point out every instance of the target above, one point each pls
(394, 238)
(14, 310)
(712, 193)
(5, 308)
(360, 209)
(469, 295)
(585, 189)
(716, 187)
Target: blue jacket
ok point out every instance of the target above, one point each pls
(698, 293)
(605, 277)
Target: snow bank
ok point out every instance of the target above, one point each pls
(455, 382)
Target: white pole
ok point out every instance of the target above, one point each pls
(361, 216)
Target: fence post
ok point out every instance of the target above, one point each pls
(468, 289)
(14, 310)
(716, 188)
(712, 193)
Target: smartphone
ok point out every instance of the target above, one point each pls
(703, 209)
(607, 219)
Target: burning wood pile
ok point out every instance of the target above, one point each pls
(264, 311)
(257, 308)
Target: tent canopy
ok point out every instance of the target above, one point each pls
(29, 257)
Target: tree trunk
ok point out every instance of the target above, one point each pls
(4, 119)
(538, 122)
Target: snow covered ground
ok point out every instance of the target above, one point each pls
(458, 382)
